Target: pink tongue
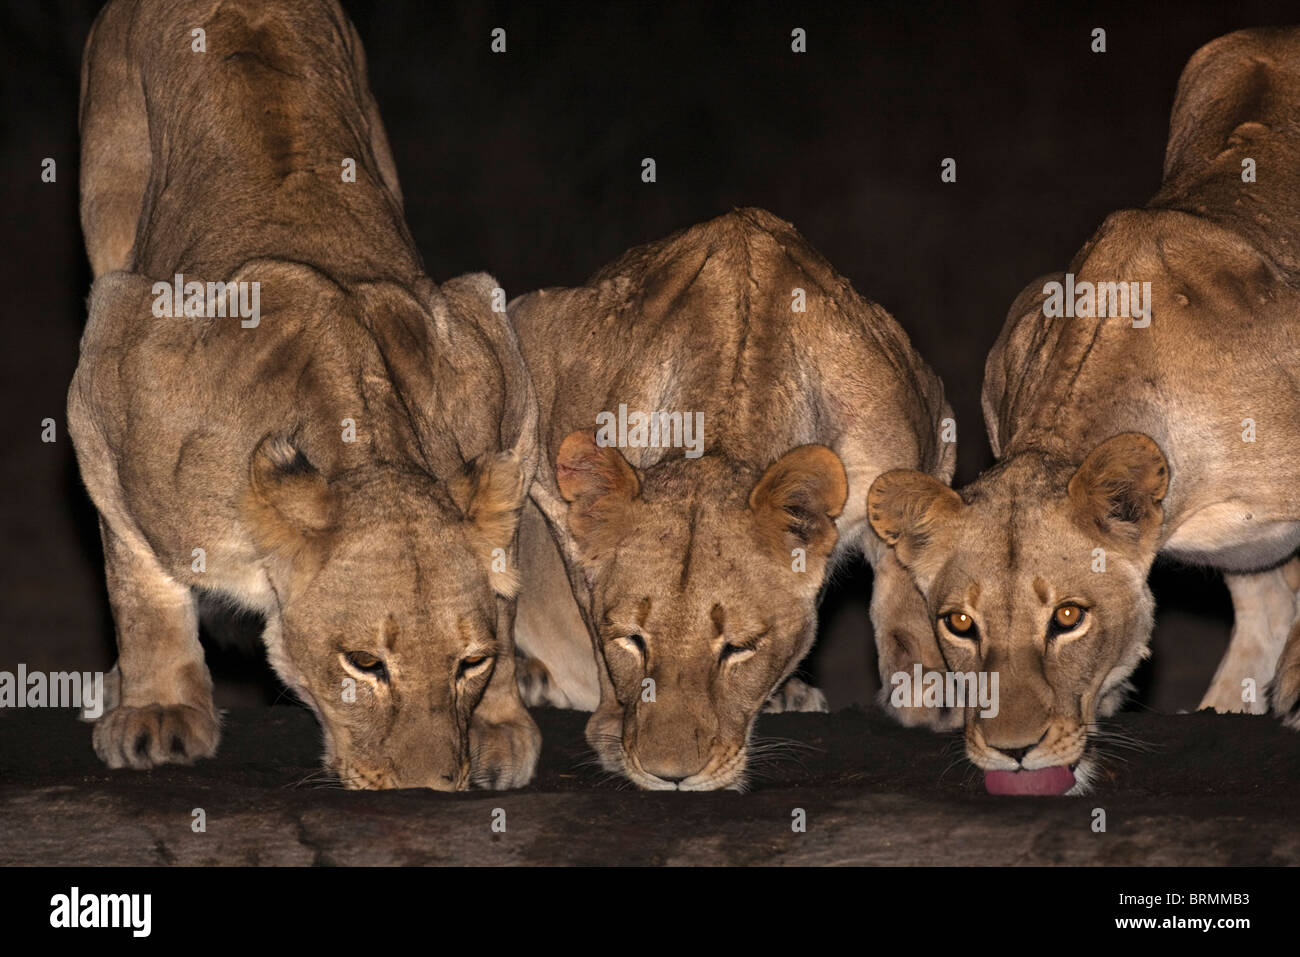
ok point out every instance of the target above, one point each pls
(1054, 780)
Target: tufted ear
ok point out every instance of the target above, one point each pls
(1118, 489)
(289, 500)
(492, 490)
(798, 498)
(599, 485)
(905, 506)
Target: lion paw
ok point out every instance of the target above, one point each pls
(504, 754)
(534, 682)
(1284, 692)
(1224, 698)
(145, 737)
(796, 695)
(936, 719)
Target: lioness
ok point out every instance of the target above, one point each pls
(349, 463)
(770, 395)
(1171, 427)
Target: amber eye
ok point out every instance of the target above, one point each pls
(960, 623)
(365, 661)
(1067, 618)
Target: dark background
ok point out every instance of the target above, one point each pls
(527, 164)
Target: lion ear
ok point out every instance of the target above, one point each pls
(290, 499)
(492, 491)
(1119, 487)
(798, 498)
(599, 485)
(905, 506)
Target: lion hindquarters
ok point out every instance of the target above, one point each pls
(796, 695)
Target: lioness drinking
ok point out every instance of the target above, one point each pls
(1118, 438)
(350, 464)
(756, 396)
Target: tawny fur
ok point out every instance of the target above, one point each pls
(199, 433)
(1134, 440)
(802, 409)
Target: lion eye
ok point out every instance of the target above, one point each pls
(634, 643)
(1067, 618)
(961, 624)
(470, 663)
(365, 662)
(732, 652)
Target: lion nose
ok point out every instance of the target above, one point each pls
(1017, 754)
(670, 768)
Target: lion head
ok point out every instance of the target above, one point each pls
(1036, 572)
(391, 558)
(701, 580)
(389, 649)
